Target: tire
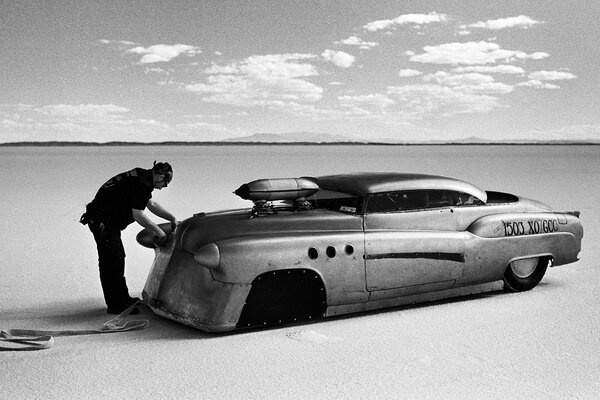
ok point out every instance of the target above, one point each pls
(283, 296)
(525, 274)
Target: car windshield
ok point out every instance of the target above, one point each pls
(336, 201)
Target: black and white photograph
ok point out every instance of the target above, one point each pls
(320, 199)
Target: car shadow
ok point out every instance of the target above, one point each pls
(71, 318)
(89, 314)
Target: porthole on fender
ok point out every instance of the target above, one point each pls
(313, 253)
(349, 249)
(330, 251)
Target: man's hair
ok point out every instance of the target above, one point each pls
(163, 168)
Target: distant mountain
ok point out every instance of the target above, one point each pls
(324, 138)
(293, 137)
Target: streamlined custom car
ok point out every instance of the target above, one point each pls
(314, 247)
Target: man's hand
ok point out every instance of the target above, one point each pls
(161, 238)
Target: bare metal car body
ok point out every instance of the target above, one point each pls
(354, 242)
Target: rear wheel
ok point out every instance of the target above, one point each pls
(525, 274)
(284, 296)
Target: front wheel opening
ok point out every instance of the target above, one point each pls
(280, 297)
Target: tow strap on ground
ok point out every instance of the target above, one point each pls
(27, 339)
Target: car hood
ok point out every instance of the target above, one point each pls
(213, 227)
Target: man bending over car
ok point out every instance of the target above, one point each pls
(119, 202)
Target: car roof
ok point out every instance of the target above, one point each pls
(364, 183)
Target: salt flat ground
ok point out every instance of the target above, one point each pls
(542, 344)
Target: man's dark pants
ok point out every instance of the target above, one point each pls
(111, 262)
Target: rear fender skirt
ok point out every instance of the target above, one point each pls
(548, 256)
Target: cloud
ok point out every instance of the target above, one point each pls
(538, 84)
(521, 21)
(427, 99)
(469, 83)
(339, 58)
(413, 19)
(163, 52)
(538, 55)
(273, 80)
(269, 66)
(405, 73)
(81, 110)
(573, 132)
(496, 69)
(551, 75)
(77, 122)
(470, 53)
(539, 79)
(97, 123)
(118, 42)
(158, 71)
(356, 41)
(371, 100)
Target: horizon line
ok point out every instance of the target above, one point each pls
(459, 142)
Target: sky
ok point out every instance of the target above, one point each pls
(80, 70)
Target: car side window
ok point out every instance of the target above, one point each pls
(465, 199)
(336, 201)
(397, 201)
(418, 200)
(440, 198)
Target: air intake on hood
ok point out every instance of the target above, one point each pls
(277, 189)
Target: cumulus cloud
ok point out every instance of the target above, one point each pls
(470, 53)
(496, 69)
(79, 122)
(551, 75)
(445, 78)
(538, 84)
(274, 80)
(539, 79)
(370, 100)
(405, 73)
(538, 55)
(412, 19)
(521, 21)
(469, 83)
(118, 42)
(268, 67)
(163, 52)
(339, 58)
(356, 41)
(98, 123)
(80, 110)
(423, 100)
(445, 93)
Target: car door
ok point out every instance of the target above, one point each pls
(411, 241)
